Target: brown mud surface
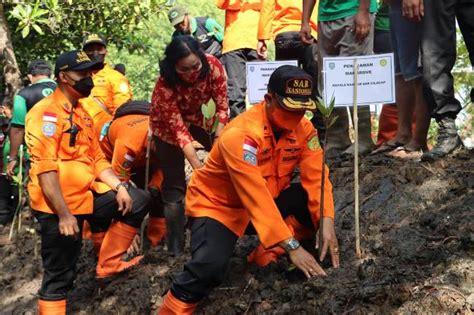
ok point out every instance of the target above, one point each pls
(417, 236)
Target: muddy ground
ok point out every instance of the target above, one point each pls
(417, 229)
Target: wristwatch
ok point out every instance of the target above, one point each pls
(10, 159)
(292, 245)
(122, 184)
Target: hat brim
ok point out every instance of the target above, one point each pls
(94, 41)
(296, 105)
(177, 20)
(92, 65)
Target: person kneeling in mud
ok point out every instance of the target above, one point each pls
(124, 141)
(66, 167)
(247, 179)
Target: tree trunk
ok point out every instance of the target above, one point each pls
(11, 72)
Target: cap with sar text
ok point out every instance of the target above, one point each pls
(75, 60)
(176, 15)
(293, 88)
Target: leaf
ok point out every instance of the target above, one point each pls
(333, 120)
(38, 29)
(209, 110)
(322, 108)
(25, 31)
(331, 104)
(214, 127)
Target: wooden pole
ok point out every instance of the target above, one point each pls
(356, 162)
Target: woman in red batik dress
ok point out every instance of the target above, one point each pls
(189, 79)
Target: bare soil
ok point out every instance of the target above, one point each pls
(417, 236)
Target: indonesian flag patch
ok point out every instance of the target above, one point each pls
(250, 151)
(50, 117)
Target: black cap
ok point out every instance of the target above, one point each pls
(94, 39)
(293, 87)
(40, 67)
(74, 61)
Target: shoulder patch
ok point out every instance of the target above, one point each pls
(49, 129)
(123, 87)
(313, 143)
(250, 151)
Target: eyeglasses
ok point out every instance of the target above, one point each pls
(73, 131)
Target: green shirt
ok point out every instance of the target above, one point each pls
(20, 106)
(330, 10)
(382, 21)
(214, 29)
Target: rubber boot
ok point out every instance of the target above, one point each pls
(388, 124)
(51, 307)
(447, 141)
(366, 144)
(116, 242)
(338, 134)
(172, 305)
(263, 257)
(174, 214)
(97, 239)
(156, 230)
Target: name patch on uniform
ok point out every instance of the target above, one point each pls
(51, 117)
(49, 129)
(250, 151)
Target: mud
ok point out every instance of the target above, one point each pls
(417, 237)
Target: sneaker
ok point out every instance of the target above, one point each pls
(448, 140)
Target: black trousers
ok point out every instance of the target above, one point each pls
(60, 253)
(171, 161)
(8, 199)
(212, 245)
(234, 62)
(439, 52)
(288, 46)
(155, 205)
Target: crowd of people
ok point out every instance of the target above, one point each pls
(99, 162)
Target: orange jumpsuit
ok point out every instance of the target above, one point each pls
(235, 187)
(111, 90)
(278, 16)
(125, 147)
(47, 138)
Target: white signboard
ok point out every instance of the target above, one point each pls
(375, 79)
(258, 74)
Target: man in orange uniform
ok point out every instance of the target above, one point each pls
(247, 179)
(240, 41)
(66, 162)
(280, 20)
(111, 88)
(125, 146)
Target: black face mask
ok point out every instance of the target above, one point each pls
(97, 57)
(84, 86)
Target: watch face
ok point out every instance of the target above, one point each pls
(293, 244)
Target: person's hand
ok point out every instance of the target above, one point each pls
(262, 51)
(11, 168)
(68, 225)
(413, 10)
(305, 262)
(135, 246)
(329, 242)
(124, 200)
(361, 27)
(305, 34)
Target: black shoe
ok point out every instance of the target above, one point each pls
(448, 140)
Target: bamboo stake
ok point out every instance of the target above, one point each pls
(17, 214)
(356, 162)
(147, 179)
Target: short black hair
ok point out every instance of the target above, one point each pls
(40, 67)
(181, 47)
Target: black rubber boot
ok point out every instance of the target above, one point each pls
(448, 140)
(175, 219)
